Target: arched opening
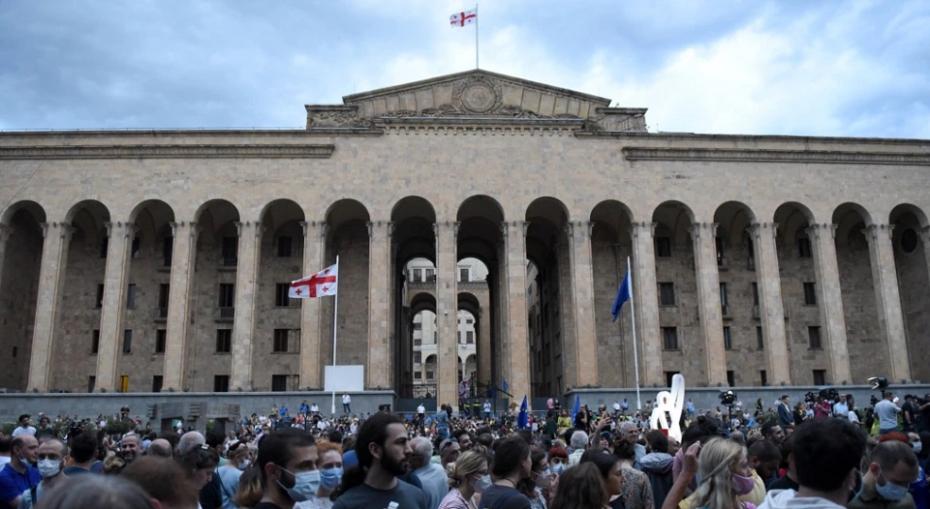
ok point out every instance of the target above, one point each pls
(739, 295)
(683, 349)
(611, 246)
(276, 342)
(479, 237)
(77, 330)
(807, 346)
(867, 349)
(347, 236)
(910, 236)
(21, 231)
(141, 356)
(414, 253)
(475, 333)
(213, 294)
(552, 354)
(422, 342)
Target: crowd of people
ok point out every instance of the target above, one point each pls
(820, 453)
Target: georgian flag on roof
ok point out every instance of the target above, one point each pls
(321, 284)
(463, 18)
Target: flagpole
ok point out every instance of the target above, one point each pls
(639, 404)
(476, 35)
(335, 318)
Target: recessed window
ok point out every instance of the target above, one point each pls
(95, 342)
(820, 377)
(417, 357)
(813, 334)
(167, 248)
(131, 297)
(230, 251)
(278, 383)
(280, 340)
(731, 378)
(721, 259)
(104, 247)
(285, 247)
(221, 383)
(670, 338)
(227, 295)
(99, 303)
(760, 342)
(281, 298)
(127, 341)
(667, 294)
(157, 382)
(223, 340)
(470, 337)
(160, 336)
(804, 247)
(763, 378)
(810, 294)
(909, 240)
(727, 339)
(663, 247)
(755, 294)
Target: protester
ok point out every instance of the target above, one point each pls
(165, 481)
(581, 487)
(892, 468)
(611, 471)
(725, 477)
(329, 463)
(657, 465)
(283, 473)
(764, 458)
(159, 447)
(24, 427)
(578, 443)
(558, 459)
(467, 481)
(83, 449)
(536, 486)
(433, 479)
(50, 455)
(887, 413)
(239, 458)
(512, 463)
(99, 492)
(826, 456)
(19, 475)
(637, 490)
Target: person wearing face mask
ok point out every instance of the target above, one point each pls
(239, 458)
(536, 486)
(329, 463)
(283, 474)
(19, 474)
(558, 460)
(892, 468)
(49, 456)
(468, 480)
(725, 476)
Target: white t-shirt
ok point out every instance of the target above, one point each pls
(346, 399)
(28, 430)
(421, 409)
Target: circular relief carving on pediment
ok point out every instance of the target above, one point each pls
(478, 95)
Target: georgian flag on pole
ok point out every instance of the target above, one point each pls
(463, 18)
(321, 284)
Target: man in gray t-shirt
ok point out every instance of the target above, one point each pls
(887, 413)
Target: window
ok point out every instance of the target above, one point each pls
(724, 300)
(755, 294)
(463, 275)
(99, 303)
(285, 247)
(663, 247)
(104, 247)
(760, 342)
(668, 377)
(91, 383)
(810, 294)
(127, 341)
(670, 338)
(731, 378)
(221, 383)
(157, 381)
(223, 340)
(281, 299)
(727, 339)
(164, 293)
(470, 337)
(167, 248)
(417, 375)
(813, 333)
(417, 275)
(804, 247)
(667, 294)
(278, 383)
(160, 336)
(95, 342)
(418, 357)
(430, 275)
(763, 378)
(417, 341)
(417, 325)
(280, 341)
(124, 383)
(820, 377)
(136, 247)
(131, 297)
(429, 375)
(230, 251)
(721, 260)
(227, 295)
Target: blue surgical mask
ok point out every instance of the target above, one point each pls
(49, 468)
(306, 484)
(557, 468)
(891, 491)
(482, 483)
(331, 477)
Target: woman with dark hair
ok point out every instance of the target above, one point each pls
(581, 487)
(98, 491)
(512, 463)
(199, 464)
(610, 468)
(536, 486)
(283, 473)
(637, 490)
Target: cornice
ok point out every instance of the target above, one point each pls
(208, 151)
(775, 156)
(475, 125)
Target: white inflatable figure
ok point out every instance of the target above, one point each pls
(670, 405)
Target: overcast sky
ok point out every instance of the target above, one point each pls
(808, 68)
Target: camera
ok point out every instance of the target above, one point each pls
(727, 397)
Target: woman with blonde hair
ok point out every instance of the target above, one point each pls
(725, 476)
(468, 478)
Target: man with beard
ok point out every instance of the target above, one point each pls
(383, 452)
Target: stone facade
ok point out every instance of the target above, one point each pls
(821, 245)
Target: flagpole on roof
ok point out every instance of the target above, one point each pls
(335, 318)
(476, 35)
(639, 404)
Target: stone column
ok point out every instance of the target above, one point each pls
(708, 286)
(5, 233)
(831, 299)
(447, 313)
(183, 249)
(51, 276)
(925, 237)
(250, 236)
(485, 368)
(582, 274)
(311, 310)
(379, 305)
(113, 309)
(646, 301)
(773, 310)
(517, 372)
(888, 299)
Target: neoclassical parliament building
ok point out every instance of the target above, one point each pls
(159, 260)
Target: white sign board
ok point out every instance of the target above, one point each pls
(349, 378)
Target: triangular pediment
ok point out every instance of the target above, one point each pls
(477, 95)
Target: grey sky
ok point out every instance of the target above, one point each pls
(820, 68)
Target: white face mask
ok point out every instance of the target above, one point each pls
(49, 468)
(918, 446)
